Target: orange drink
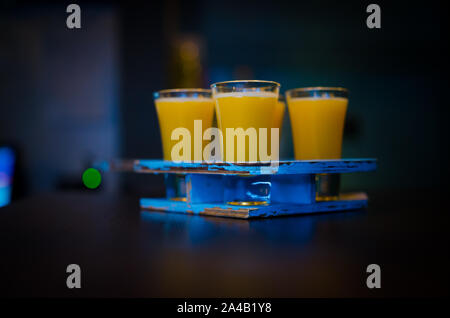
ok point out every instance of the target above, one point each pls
(245, 105)
(279, 113)
(179, 108)
(317, 126)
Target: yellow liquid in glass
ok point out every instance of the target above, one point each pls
(279, 115)
(181, 112)
(317, 127)
(245, 110)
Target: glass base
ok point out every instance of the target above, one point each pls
(327, 198)
(175, 187)
(247, 190)
(247, 203)
(327, 186)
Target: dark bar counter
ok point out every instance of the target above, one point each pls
(123, 252)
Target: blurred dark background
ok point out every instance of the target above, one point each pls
(69, 97)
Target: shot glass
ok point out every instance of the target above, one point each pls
(245, 113)
(182, 109)
(317, 117)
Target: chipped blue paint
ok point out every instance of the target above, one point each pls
(357, 201)
(292, 187)
(285, 167)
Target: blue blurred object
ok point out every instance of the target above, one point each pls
(7, 161)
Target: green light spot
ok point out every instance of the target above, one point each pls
(92, 178)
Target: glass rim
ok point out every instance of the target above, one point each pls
(182, 90)
(317, 88)
(269, 83)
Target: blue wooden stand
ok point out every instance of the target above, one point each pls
(292, 187)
